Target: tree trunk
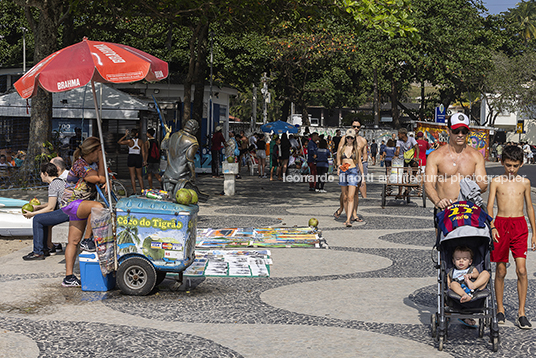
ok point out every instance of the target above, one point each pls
(187, 102)
(196, 69)
(200, 74)
(45, 32)
(305, 116)
(285, 109)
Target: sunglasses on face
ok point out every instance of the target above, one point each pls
(357, 127)
(350, 137)
(461, 130)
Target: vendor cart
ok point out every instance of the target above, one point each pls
(140, 238)
(154, 237)
(411, 178)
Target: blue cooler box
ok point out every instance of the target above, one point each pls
(91, 275)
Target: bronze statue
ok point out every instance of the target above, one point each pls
(182, 147)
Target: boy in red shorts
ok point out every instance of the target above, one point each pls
(509, 229)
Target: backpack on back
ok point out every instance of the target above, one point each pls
(154, 152)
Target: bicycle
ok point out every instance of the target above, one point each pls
(118, 189)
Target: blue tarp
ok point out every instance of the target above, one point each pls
(279, 127)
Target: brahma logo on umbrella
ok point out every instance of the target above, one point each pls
(68, 84)
(111, 54)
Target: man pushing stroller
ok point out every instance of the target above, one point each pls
(448, 166)
(444, 180)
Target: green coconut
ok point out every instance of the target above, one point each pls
(195, 199)
(27, 207)
(183, 197)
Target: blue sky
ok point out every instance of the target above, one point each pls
(498, 6)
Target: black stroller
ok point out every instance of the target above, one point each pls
(470, 229)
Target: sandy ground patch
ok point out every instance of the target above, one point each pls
(12, 244)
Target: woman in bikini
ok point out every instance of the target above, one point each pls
(349, 173)
(77, 201)
(137, 157)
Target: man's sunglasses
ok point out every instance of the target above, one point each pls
(357, 127)
(461, 130)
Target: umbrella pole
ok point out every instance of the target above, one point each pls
(102, 142)
(105, 168)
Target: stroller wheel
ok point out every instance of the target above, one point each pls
(441, 343)
(433, 319)
(481, 326)
(495, 343)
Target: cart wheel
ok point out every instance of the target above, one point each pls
(441, 343)
(160, 276)
(423, 197)
(384, 194)
(136, 276)
(481, 326)
(495, 343)
(433, 323)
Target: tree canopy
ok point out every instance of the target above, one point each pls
(329, 53)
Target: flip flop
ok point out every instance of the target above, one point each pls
(357, 219)
(348, 224)
(337, 214)
(467, 324)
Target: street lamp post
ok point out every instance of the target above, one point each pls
(210, 106)
(265, 96)
(254, 109)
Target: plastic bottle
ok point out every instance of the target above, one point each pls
(467, 289)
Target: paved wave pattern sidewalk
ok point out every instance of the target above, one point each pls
(369, 295)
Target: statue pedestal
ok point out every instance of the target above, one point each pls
(229, 177)
(229, 184)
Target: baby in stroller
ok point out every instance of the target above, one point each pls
(464, 243)
(462, 278)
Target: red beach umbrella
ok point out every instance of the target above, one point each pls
(91, 61)
(77, 65)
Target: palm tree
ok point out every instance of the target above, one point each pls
(524, 15)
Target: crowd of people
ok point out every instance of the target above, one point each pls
(528, 154)
(72, 195)
(72, 192)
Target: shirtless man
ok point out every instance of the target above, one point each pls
(447, 165)
(362, 148)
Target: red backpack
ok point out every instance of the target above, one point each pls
(154, 152)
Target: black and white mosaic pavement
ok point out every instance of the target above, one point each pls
(422, 238)
(223, 221)
(406, 210)
(427, 296)
(261, 210)
(85, 339)
(219, 301)
(382, 223)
